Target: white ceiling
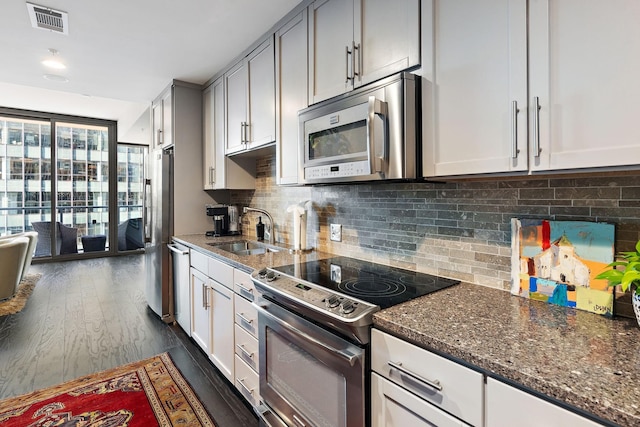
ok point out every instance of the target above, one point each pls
(120, 54)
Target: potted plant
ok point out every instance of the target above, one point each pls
(629, 277)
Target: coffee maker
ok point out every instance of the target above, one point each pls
(225, 220)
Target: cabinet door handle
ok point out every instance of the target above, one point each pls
(159, 137)
(244, 386)
(244, 319)
(244, 351)
(354, 61)
(435, 384)
(347, 52)
(205, 296)
(514, 130)
(536, 126)
(212, 176)
(245, 290)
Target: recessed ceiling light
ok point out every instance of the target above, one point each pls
(53, 62)
(56, 78)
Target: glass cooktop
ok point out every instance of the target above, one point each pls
(374, 283)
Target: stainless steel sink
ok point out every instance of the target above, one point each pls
(246, 247)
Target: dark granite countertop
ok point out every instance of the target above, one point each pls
(583, 359)
(246, 263)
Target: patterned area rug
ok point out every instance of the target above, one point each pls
(17, 302)
(151, 392)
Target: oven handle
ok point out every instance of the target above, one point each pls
(376, 107)
(351, 358)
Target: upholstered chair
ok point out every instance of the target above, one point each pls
(13, 253)
(33, 241)
(66, 239)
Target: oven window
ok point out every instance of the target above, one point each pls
(315, 390)
(346, 140)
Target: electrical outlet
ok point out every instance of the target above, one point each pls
(336, 233)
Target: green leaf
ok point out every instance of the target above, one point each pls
(631, 277)
(614, 277)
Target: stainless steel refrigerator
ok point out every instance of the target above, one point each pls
(159, 229)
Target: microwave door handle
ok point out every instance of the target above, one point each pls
(376, 107)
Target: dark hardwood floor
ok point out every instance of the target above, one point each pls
(86, 316)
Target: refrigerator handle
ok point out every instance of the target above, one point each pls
(147, 211)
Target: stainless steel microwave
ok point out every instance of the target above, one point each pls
(368, 134)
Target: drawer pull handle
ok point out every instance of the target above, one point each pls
(244, 386)
(298, 421)
(435, 384)
(244, 351)
(244, 319)
(245, 289)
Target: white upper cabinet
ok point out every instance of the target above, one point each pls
(291, 94)
(475, 88)
(250, 100)
(584, 68)
(579, 109)
(208, 129)
(354, 42)
(221, 172)
(163, 119)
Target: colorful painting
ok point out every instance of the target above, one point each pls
(557, 261)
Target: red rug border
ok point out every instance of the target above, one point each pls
(192, 397)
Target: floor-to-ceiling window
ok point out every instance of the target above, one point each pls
(90, 201)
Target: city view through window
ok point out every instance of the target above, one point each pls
(76, 191)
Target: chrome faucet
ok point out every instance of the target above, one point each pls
(270, 230)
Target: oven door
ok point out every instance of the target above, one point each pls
(309, 376)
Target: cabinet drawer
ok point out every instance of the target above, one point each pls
(509, 406)
(247, 348)
(221, 272)
(243, 285)
(199, 261)
(246, 316)
(393, 406)
(247, 382)
(446, 384)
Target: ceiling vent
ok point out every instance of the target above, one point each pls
(48, 19)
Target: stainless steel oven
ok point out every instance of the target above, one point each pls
(368, 134)
(314, 330)
(309, 376)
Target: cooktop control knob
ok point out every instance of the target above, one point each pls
(262, 273)
(271, 276)
(332, 301)
(347, 307)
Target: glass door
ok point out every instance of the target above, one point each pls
(25, 178)
(131, 196)
(82, 188)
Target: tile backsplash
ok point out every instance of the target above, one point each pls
(455, 229)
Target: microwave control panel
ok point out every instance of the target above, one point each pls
(339, 170)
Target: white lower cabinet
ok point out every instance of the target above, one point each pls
(246, 339)
(394, 406)
(446, 390)
(247, 382)
(222, 328)
(200, 325)
(411, 386)
(212, 310)
(509, 406)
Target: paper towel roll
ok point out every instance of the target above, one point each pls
(299, 225)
